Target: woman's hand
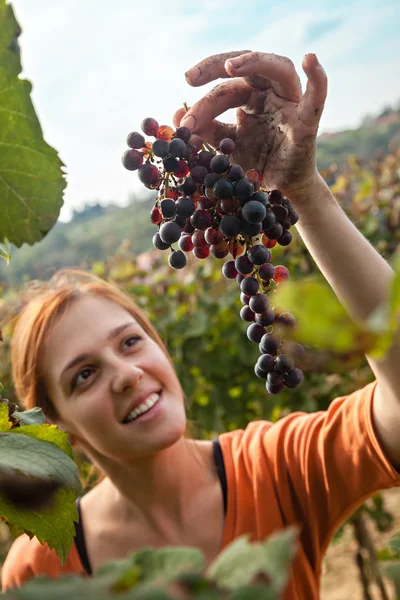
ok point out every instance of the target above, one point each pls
(276, 125)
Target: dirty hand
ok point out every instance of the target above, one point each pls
(277, 124)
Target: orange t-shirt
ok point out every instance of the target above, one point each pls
(313, 470)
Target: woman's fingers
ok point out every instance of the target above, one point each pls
(230, 94)
(211, 68)
(312, 103)
(273, 68)
(213, 132)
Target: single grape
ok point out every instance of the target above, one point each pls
(135, 140)
(201, 219)
(266, 318)
(259, 255)
(171, 164)
(185, 243)
(266, 271)
(203, 252)
(168, 208)
(293, 217)
(259, 303)
(177, 148)
(284, 363)
(294, 377)
(281, 274)
(158, 243)
(229, 270)
(183, 133)
(285, 238)
(161, 148)
(260, 197)
(181, 221)
(286, 224)
(275, 377)
(149, 174)
(220, 250)
(286, 319)
(246, 314)
(150, 126)
(266, 362)
(219, 163)
(269, 344)
(223, 189)
(189, 227)
(249, 286)
(235, 173)
(229, 206)
(259, 372)
(254, 212)
(185, 206)
(255, 333)
(156, 216)
(254, 177)
(205, 203)
(227, 146)
(170, 232)
(250, 229)
(229, 225)
(213, 236)
(211, 179)
(198, 174)
(196, 141)
(268, 243)
(198, 239)
(204, 159)
(132, 159)
(274, 389)
(244, 189)
(165, 132)
(177, 259)
(275, 197)
(188, 187)
(243, 265)
(244, 298)
(269, 220)
(275, 232)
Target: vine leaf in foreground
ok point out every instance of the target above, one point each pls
(31, 176)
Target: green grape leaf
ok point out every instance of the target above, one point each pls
(47, 433)
(5, 423)
(31, 177)
(242, 561)
(34, 416)
(21, 454)
(52, 525)
(5, 251)
(167, 563)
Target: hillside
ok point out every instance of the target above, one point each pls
(97, 232)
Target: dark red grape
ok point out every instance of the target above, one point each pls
(170, 232)
(244, 265)
(274, 389)
(158, 243)
(227, 146)
(275, 232)
(244, 189)
(259, 372)
(274, 377)
(198, 239)
(201, 219)
(223, 189)
(229, 206)
(182, 170)
(135, 140)
(177, 259)
(185, 243)
(205, 203)
(284, 363)
(244, 298)
(183, 133)
(150, 126)
(259, 303)
(196, 141)
(259, 255)
(285, 238)
(168, 208)
(188, 187)
(220, 250)
(249, 286)
(219, 163)
(204, 159)
(266, 271)
(171, 164)
(269, 344)
(211, 179)
(229, 270)
(181, 221)
(198, 174)
(294, 377)
(156, 216)
(235, 173)
(149, 174)
(246, 314)
(275, 197)
(161, 148)
(132, 159)
(253, 211)
(255, 333)
(213, 236)
(229, 225)
(202, 252)
(280, 212)
(269, 220)
(281, 274)
(293, 217)
(286, 319)
(266, 319)
(185, 206)
(266, 362)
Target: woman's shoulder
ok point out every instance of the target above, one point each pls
(28, 558)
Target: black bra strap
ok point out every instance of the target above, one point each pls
(219, 462)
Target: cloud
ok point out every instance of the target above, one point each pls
(318, 29)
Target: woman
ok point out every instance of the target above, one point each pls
(91, 360)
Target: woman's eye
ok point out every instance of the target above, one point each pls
(132, 340)
(84, 374)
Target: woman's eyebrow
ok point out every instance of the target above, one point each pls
(81, 357)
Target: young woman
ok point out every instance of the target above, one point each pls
(84, 353)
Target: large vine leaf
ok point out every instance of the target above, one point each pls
(31, 176)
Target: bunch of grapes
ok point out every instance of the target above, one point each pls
(207, 204)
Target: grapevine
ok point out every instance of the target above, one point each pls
(207, 204)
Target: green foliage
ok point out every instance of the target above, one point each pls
(243, 571)
(31, 178)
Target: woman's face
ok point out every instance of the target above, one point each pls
(98, 364)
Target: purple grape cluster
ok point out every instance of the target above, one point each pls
(207, 204)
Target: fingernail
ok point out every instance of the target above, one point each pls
(189, 122)
(193, 74)
(235, 62)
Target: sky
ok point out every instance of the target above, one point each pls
(98, 68)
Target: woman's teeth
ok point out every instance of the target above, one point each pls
(144, 407)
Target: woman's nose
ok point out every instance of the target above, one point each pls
(126, 375)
